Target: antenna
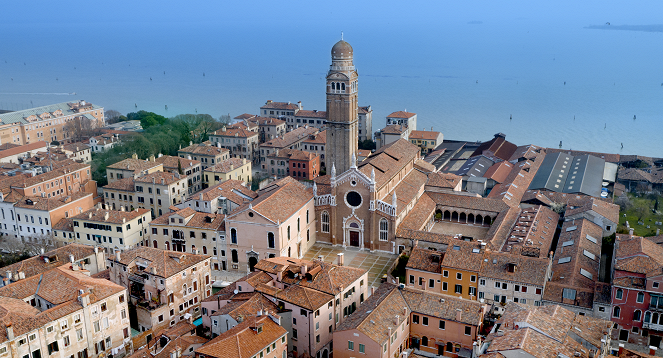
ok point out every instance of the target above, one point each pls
(341, 35)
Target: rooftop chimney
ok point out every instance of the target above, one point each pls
(320, 257)
(117, 255)
(340, 259)
(8, 275)
(21, 275)
(10, 331)
(630, 232)
(71, 259)
(652, 350)
(459, 313)
(304, 269)
(42, 250)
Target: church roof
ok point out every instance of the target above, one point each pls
(389, 161)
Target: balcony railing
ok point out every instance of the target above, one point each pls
(656, 327)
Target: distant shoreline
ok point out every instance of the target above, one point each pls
(643, 28)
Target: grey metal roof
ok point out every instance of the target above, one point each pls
(475, 167)
(19, 116)
(565, 173)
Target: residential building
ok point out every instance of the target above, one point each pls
(404, 118)
(454, 272)
(131, 168)
(269, 128)
(636, 294)
(239, 142)
(316, 145)
(243, 118)
(233, 168)
(178, 341)
(189, 167)
(88, 258)
(69, 179)
(222, 198)
(426, 140)
(298, 164)
(187, 230)
(35, 216)
(317, 307)
(64, 312)
(290, 140)
(513, 277)
(110, 229)
(285, 111)
(208, 155)
(30, 125)
(390, 134)
(395, 319)
(365, 123)
(239, 301)
(104, 142)
(156, 191)
(77, 151)
(575, 269)
(546, 331)
(166, 286)
(314, 118)
(17, 153)
(279, 222)
(262, 336)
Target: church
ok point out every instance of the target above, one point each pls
(361, 204)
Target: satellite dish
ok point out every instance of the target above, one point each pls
(235, 292)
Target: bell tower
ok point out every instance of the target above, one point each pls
(342, 109)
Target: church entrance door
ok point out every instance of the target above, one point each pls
(354, 238)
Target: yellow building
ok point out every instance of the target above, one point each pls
(233, 168)
(426, 140)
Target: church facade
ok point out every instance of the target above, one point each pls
(361, 204)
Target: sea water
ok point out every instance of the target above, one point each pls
(468, 74)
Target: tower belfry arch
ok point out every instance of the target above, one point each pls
(342, 89)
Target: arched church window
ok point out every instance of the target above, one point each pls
(384, 229)
(333, 85)
(324, 219)
(343, 87)
(270, 240)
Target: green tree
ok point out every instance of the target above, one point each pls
(641, 208)
(147, 119)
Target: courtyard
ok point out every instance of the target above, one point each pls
(477, 232)
(376, 263)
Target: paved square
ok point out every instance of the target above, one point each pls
(375, 263)
(478, 232)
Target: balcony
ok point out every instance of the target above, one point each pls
(136, 278)
(652, 326)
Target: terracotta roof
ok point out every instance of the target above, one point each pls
(325, 277)
(232, 189)
(389, 160)
(163, 178)
(232, 132)
(244, 308)
(242, 341)
(311, 114)
(499, 171)
(363, 153)
(443, 180)
(59, 286)
(528, 270)
(292, 137)
(408, 189)
(525, 152)
(58, 257)
(110, 216)
(50, 175)
(424, 135)
(297, 295)
(166, 263)
(420, 214)
(293, 154)
(533, 232)
(228, 293)
(394, 129)
(134, 165)
(364, 109)
(498, 147)
(401, 114)
(280, 200)
(429, 303)
(171, 162)
(227, 165)
(459, 254)
(50, 204)
(126, 184)
(192, 219)
(279, 105)
(468, 202)
(245, 116)
(424, 166)
(201, 149)
(319, 138)
(23, 149)
(515, 185)
(638, 255)
(607, 210)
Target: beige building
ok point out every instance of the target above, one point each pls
(233, 168)
(403, 118)
(242, 143)
(291, 140)
(314, 118)
(189, 167)
(166, 287)
(47, 123)
(279, 222)
(208, 155)
(187, 230)
(426, 140)
(222, 198)
(390, 134)
(17, 153)
(269, 128)
(316, 144)
(156, 191)
(110, 229)
(77, 151)
(131, 168)
(365, 123)
(285, 111)
(64, 312)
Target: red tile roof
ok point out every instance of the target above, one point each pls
(401, 114)
(166, 263)
(242, 341)
(424, 135)
(279, 201)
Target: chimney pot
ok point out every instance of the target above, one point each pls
(117, 255)
(340, 259)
